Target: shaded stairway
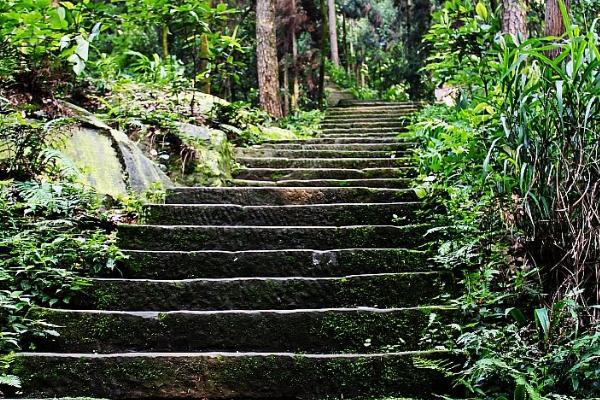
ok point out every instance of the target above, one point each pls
(306, 280)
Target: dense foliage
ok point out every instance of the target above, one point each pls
(516, 158)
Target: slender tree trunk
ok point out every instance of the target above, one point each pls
(203, 65)
(165, 41)
(345, 43)
(514, 18)
(554, 24)
(286, 86)
(295, 74)
(333, 39)
(324, 34)
(266, 55)
(294, 66)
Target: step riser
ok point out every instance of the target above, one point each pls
(365, 183)
(364, 132)
(305, 331)
(373, 103)
(275, 174)
(291, 196)
(344, 147)
(359, 120)
(187, 238)
(281, 263)
(382, 291)
(392, 134)
(324, 163)
(201, 377)
(347, 140)
(381, 113)
(335, 215)
(322, 153)
(364, 125)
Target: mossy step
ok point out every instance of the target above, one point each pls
(296, 215)
(373, 107)
(397, 146)
(232, 375)
(286, 196)
(366, 118)
(270, 152)
(355, 132)
(343, 140)
(275, 263)
(336, 163)
(384, 112)
(356, 102)
(364, 127)
(390, 183)
(342, 330)
(391, 134)
(378, 290)
(284, 174)
(343, 123)
(155, 237)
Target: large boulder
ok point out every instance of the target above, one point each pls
(110, 161)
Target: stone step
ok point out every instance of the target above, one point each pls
(337, 146)
(392, 135)
(334, 163)
(366, 118)
(373, 106)
(284, 174)
(333, 330)
(231, 375)
(367, 103)
(390, 183)
(398, 125)
(186, 238)
(380, 290)
(344, 140)
(285, 196)
(269, 152)
(142, 264)
(390, 123)
(295, 215)
(375, 132)
(383, 112)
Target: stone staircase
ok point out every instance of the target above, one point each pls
(308, 279)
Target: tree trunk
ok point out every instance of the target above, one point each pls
(204, 59)
(333, 40)
(514, 18)
(294, 66)
(266, 55)
(345, 43)
(324, 34)
(165, 41)
(286, 86)
(554, 24)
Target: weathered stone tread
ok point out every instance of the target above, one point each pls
(390, 183)
(325, 330)
(374, 290)
(195, 237)
(231, 375)
(275, 263)
(286, 196)
(299, 215)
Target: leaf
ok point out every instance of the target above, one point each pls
(518, 316)
(543, 321)
(481, 10)
(10, 380)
